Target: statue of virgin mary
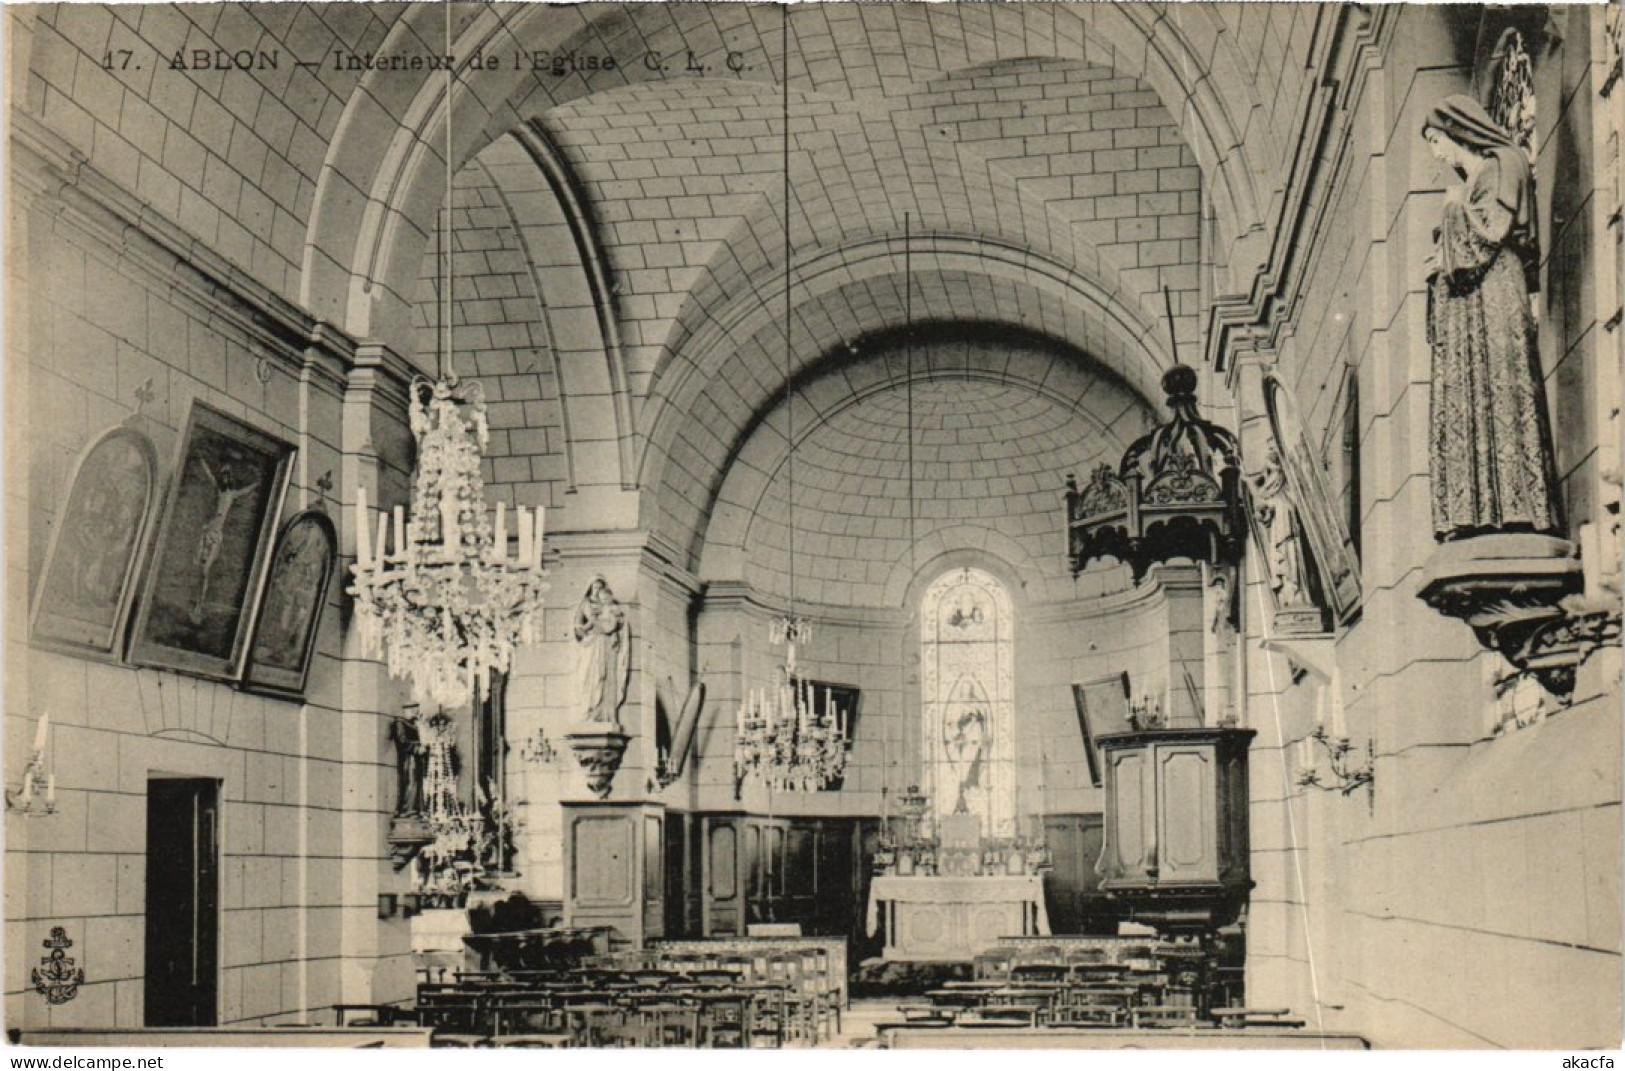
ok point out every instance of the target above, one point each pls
(1490, 453)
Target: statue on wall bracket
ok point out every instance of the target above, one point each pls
(603, 670)
(1502, 565)
(1305, 547)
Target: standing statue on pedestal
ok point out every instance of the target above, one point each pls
(1278, 518)
(411, 760)
(1491, 455)
(603, 656)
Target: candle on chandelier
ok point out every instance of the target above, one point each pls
(363, 552)
(380, 545)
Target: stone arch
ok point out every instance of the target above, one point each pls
(387, 165)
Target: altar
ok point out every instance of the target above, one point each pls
(945, 919)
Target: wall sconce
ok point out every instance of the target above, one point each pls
(36, 796)
(1346, 778)
(539, 749)
(388, 905)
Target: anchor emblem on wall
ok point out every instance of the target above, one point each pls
(56, 978)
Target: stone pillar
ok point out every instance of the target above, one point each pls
(1185, 592)
(376, 454)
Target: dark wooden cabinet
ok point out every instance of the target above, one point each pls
(1072, 886)
(755, 869)
(1175, 850)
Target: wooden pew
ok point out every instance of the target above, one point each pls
(235, 1037)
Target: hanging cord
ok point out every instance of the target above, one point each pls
(908, 375)
(1173, 339)
(448, 366)
(789, 389)
(908, 405)
(1291, 823)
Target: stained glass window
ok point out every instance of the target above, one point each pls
(967, 691)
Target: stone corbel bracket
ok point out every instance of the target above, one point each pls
(1517, 592)
(408, 835)
(599, 754)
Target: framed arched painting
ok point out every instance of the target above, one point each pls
(290, 613)
(86, 587)
(209, 559)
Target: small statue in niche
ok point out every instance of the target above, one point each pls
(603, 655)
(411, 760)
(1491, 458)
(1278, 517)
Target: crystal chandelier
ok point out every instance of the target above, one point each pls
(447, 605)
(786, 738)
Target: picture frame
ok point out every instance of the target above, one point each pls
(289, 617)
(208, 562)
(847, 699)
(87, 585)
(1336, 563)
(1102, 707)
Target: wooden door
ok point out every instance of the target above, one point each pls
(1071, 888)
(183, 902)
(1131, 850)
(1187, 820)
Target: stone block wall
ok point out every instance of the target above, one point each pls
(1472, 898)
(107, 312)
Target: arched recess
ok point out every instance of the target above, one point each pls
(387, 166)
(1009, 395)
(572, 278)
(712, 392)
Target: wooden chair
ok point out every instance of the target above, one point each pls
(774, 1017)
(534, 1024)
(724, 1016)
(595, 1025)
(670, 1024)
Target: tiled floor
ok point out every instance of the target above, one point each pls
(858, 1024)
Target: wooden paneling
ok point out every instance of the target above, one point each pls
(1072, 887)
(615, 867)
(603, 872)
(1176, 814)
(1187, 826)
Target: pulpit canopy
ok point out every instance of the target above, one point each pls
(1176, 493)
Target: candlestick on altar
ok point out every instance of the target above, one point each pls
(398, 516)
(536, 537)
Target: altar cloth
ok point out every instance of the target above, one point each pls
(952, 918)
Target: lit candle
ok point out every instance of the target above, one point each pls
(499, 542)
(363, 552)
(42, 731)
